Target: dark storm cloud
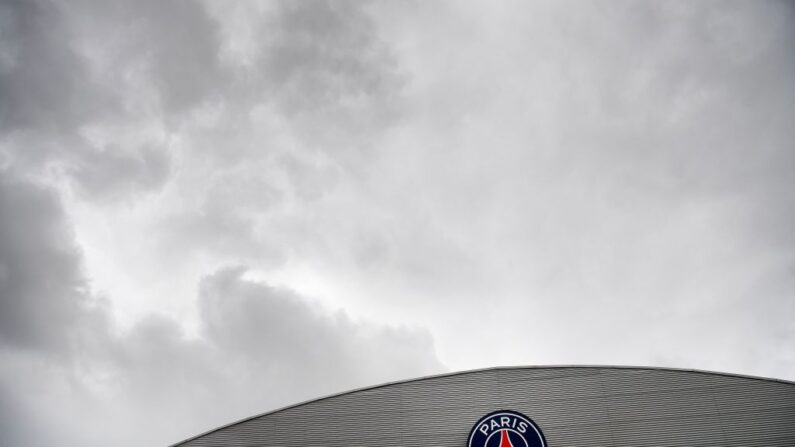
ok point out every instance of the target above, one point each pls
(44, 82)
(41, 286)
(48, 320)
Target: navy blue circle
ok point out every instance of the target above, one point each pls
(520, 430)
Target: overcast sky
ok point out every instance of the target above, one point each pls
(212, 209)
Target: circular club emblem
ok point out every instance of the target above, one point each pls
(506, 428)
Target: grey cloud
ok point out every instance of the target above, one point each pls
(612, 169)
(629, 161)
(185, 55)
(124, 69)
(260, 347)
(16, 418)
(323, 53)
(324, 69)
(226, 218)
(98, 67)
(311, 106)
(114, 172)
(41, 285)
(171, 49)
(605, 183)
(68, 65)
(63, 360)
(43, 81)
(295, 339)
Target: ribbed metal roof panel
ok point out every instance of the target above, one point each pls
(574, 406)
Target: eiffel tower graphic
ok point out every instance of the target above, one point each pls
(505, 440)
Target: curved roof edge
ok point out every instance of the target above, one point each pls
(476, 370)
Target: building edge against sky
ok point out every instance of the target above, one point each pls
(608, 406)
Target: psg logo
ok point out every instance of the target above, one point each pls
(506, 428)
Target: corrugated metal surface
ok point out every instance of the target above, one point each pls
(574, 406)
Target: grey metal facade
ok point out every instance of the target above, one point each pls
(573, 406)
